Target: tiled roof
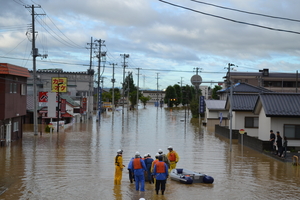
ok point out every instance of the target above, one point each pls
(281, 104)
(242, 102)
(245, 88)
(215, 104)
(6, 68)
(70, 100)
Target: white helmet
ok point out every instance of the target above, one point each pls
(170, 147)
(146, 155)
(120, 151)
(160, 151)
(156, 155)
(137, 153)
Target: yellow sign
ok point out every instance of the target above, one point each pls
(242, 131)
(59, 84)
(106, 105)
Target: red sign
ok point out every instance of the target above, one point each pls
(63, 105)
(84, 100)
(43, 96)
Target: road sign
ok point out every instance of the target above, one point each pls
(242, 131)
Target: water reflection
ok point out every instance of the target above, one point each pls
(78, 162)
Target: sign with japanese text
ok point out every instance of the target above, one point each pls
(59, 84)
(201, 104)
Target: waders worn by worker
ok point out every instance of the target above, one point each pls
(118, 167)
(173, 158)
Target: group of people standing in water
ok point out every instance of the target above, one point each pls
(153, 170)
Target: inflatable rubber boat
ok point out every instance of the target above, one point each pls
(189, 177)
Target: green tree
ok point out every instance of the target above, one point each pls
(178, 94)
(144, 100)
(194, 108)
(170, 96)
(214, 92)
(129, 82)
(107, 96)
(131, 89)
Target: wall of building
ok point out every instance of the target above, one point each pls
(278, 124)
(264, 124)
(238, 122)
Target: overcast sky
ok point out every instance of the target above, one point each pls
(168, 43)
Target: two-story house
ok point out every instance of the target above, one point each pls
(13, 93)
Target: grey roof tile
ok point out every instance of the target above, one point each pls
(242, 102)
(281, 104)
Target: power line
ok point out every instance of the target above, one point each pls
(247, 12)
(61, 31)
(228, 19)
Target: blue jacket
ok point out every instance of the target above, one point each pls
(161, 176)
(148, 163)
(138, 172)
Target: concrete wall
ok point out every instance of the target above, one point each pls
(252, 142)
(225, 131)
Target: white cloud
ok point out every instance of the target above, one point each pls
(157, 36)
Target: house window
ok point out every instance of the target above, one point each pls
(16, 126)
(292, 131)
(14, 88)
(2, 135)
(23, 89)
(10, 88)
(251, 122)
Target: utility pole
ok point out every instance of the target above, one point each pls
(91, 73)
(157, 88)
(113, 87)
(137, 91)
(230, 84)
(99, 55)
(128, 89)
(123, 83)
(35, 54)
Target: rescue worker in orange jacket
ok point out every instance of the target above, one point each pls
(138, 168)
(173, 158)
(161, 174)
(118, 167)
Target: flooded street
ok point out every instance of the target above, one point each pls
(78, 163)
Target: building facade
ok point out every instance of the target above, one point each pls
(79, 85)
(13, 82)
(277, 82)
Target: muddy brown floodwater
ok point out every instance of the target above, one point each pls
(78, 162)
